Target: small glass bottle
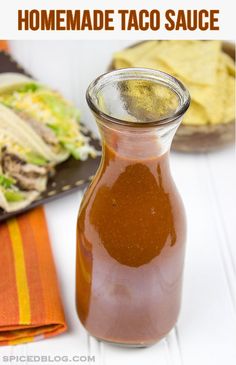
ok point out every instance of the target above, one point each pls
(131, 226)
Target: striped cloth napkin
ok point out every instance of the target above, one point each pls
(30, 304)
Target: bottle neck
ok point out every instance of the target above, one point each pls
(138, 143)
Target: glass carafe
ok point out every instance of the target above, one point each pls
(131, 226)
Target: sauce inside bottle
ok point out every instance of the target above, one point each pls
(131, 226)
(131, 234)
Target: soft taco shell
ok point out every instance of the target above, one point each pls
(18, 128)
(11, 80)
(13, 206)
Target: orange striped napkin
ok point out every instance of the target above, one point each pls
(30, 305)
(3, 45)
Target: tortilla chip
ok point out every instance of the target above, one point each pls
(195, 115)
(129, 56)
(229, 102)
(150, 60)
(211, 98)
(194, 61)
(202, 66)
(228, 62)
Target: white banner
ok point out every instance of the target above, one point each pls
(143, 19)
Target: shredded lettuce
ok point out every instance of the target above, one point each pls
(75, 152)
(57, 105)
(6, 182)
(36, 159)
(13, 196)
(80, 152)
(30, 87)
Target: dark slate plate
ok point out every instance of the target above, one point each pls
(70, 175)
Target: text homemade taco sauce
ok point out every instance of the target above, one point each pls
(131, 225)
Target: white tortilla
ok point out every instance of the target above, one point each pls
(18, 128)
(10, 80)
(13, 206)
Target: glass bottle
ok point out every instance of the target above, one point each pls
(131, 226)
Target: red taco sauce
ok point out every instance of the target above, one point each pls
(131, 234)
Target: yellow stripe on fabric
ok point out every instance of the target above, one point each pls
(19, 341)
(21, 277)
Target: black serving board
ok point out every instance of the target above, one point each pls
(70, 175)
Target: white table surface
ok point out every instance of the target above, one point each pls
(206, 330)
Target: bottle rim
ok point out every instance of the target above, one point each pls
(138, 73)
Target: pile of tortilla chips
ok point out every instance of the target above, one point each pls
(207, 72)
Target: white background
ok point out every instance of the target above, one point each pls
(206, 330)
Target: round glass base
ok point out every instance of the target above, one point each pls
(125, 344)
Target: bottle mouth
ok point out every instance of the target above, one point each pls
(137, 97)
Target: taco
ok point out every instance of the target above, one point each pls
(24, 170)
(38, 130)
(48, 115)
(11, 197)
(17, 128)
(21, 182)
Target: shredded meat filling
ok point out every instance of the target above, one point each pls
(27, 176)
(42, 130)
